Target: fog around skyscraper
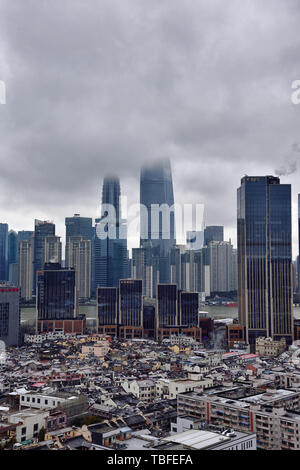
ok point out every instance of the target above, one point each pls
(149, 229)
(206, 83)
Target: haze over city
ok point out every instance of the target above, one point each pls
(149, 228)
(207, 84)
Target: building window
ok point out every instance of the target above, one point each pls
(4, 319)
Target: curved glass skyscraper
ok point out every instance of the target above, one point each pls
(157, 219)
(110, 254)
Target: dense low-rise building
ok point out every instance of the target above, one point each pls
(267, 347)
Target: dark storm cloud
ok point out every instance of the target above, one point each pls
(100, 86)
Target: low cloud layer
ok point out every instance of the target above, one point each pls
(101, 86)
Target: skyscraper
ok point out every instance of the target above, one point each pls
(131, 308)
(12, 247)
(9, 315)
(78, 226)
(79, 258)
(188, 308)
(190, 270)
(107, 306)
(221, 266)
(41, 230)
(157, 219)
(167, 305)
(56, 293)
(142, 268)
(13, 258)
(265, 294)
(110, 252)
(25, 260)
(3, 252)
(57, 301)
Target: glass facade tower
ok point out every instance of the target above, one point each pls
(3, 252)
(167, 305)
(42, 229)
(265, 287)
(131, 303)
(56, 293)
(110, 253)
(157, 224)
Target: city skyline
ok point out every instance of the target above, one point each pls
(210, 87)
(149, 228)
(133, 239)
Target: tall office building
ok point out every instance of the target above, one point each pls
(157, 219)
(56, 293)
(107, 307)
(234, 278)
(79, 253)
(188, 308)
(167, 305)
(142, 268)
(9, 315)
(12, 247)
(265, 294)
(190, 270)
(42, 229)
(25, 268)
(3, 252)
(13, 258)
(213, 233)
(149, 330)
(78, 226)
(176, 313)
(188, 277)
(175, 265)
(130, 307)
(221, 266)
(110, 253)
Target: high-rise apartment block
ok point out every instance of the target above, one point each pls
(79, 251)
(25, 267)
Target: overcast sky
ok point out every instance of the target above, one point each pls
(95, 86)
